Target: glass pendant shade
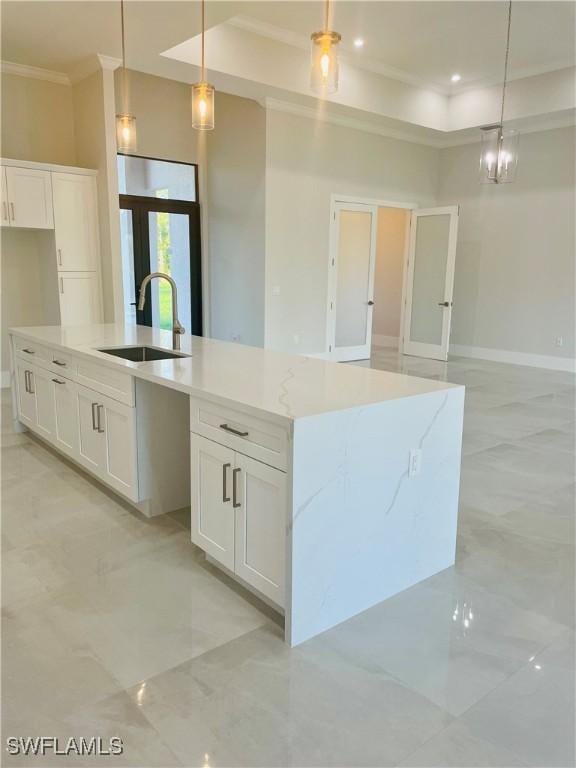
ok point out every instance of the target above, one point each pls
(203, 106)
(126, 137)
(498, 155)
(324, 69)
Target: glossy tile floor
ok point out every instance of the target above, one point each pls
(114, 625)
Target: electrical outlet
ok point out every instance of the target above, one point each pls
(415, 462)
(559, 341)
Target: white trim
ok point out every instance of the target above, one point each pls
(36, 73)
(380, 340)
(515, 358)
(278, 105)
(4, 379)
(370, 201)
(48, 167)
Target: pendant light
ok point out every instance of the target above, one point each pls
(126, 138)
(203, 96)
(499, 147)
(324, 64)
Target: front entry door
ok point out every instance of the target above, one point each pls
(429, 283)
(352, 263)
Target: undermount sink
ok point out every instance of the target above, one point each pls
(142, 354)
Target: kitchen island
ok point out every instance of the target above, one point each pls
(322, 487)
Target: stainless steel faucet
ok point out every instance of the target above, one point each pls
(177, 328)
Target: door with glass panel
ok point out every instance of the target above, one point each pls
(351, 292)
(160, 232)
(429, 284)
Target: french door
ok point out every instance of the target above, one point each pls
(429, 284)
(351, 284)
(160, 235)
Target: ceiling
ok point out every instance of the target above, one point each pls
(417, 45)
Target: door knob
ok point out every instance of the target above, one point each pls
(444, 303)
(370, 303)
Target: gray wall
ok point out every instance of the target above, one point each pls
(514, 286)
(307, 162)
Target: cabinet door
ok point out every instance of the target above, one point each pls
(29, 198)
(45, 413)
(25, 395)
(260, 493)
(91, 439)
(118, 423)
(212, 523)
(66, 415)
(79, 304)
(5, 210)
(75, 221)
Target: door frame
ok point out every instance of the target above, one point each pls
(420, 349)
(141, 207)
(335, 199)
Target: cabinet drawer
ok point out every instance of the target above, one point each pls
(254, 437)
(62, 363)
(29, 350)
(118, 386)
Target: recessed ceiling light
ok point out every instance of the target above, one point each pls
(456, 78)
(358, 43)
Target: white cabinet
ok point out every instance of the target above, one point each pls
(75, 221)
(28, 196)
(45, 411)
(26, 399)
(239, 514)
(107, 440)
(260, 540)
(212, 523)
(79, 298)
(65, 415)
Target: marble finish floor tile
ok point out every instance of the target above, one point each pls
(115, 625)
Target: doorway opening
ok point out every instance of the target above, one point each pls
(160, 232)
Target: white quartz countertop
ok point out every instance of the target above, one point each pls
(284, 386)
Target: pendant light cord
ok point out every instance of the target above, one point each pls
(506, 63)
(203, 77)
(124, 84)
(327, 16)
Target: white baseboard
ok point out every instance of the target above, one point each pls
(515, 358)
(380, 340)
(4, 379)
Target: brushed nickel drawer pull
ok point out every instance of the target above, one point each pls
(57, 381)
(99, 410)
(29, 351)
(226, 428)
(235, 503)
(26, 381)
(225, 496)
(59, 362)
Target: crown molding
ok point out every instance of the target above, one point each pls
(277, 105)
(36, 73)
(96, 63)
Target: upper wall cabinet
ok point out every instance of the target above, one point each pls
(75, 221)
(27, 198)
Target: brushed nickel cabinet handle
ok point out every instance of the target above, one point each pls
(26, 381)
(225, 496)
(233, 431)
(61, 285)
(99, 410)
(235, 503)
(59, 362)
(94, 417)
(60, 257)
(13, 214)
(30, 380)
(29, 351)
(57, 381)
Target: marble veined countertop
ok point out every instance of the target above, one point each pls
(284, 386)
